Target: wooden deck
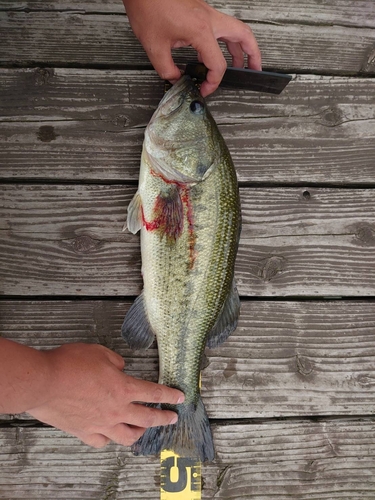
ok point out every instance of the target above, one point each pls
(291, 394)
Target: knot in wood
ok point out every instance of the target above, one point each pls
(365, 235)
(84, 244)
(120, 121)
(304, 365)
(42, 76)
(230, 369)
(365, 380)
(369, 63)
(306, 195)
(271, 267)
(46, 133)
(332, 117)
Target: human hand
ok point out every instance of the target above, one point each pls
(90, 397)
(161, 25)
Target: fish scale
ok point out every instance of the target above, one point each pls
(187, 209)
(193, 287)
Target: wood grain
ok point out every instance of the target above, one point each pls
(83, 124)
(285, 358)
(328, 459)
(288, 391)
(68, 240)
(72, 38)
(335, 12)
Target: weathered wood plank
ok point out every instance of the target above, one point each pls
(65, 38)
(88, 124)
(88, 234)
(285, 358)
(335, 12)
(329, 459)
(68, 240)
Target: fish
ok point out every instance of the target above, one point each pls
(187, 209)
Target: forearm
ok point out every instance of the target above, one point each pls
(24, 372)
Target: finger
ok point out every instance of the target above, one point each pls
(236, 52)
(161, 59)
(124, 434)
(115, 359)
(205, 43)
(250, 46)
(213, 59)
(235, 31)
(254, 62)
(94, 440)
(150, 392)
(146, 416)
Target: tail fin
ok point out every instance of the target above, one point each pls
(190, 437)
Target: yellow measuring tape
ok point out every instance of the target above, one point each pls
(180, 478)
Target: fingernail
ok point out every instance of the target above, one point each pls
(174, 419)
(181, 399)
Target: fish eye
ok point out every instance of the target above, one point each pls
(197, 107)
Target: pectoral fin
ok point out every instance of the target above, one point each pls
(134, 219)
(136, 329)
(169, 213)
(227, 320)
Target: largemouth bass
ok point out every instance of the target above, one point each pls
(188, 211)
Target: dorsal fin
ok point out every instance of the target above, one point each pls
(136, 328)
(227, 320)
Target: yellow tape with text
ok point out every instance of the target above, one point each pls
(180, 477)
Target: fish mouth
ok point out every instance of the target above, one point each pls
(174, 98)
(156, 145)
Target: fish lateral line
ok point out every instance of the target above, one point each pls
(186, 199)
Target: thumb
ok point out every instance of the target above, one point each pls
(115, 359)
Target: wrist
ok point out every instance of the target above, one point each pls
(25, 377)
